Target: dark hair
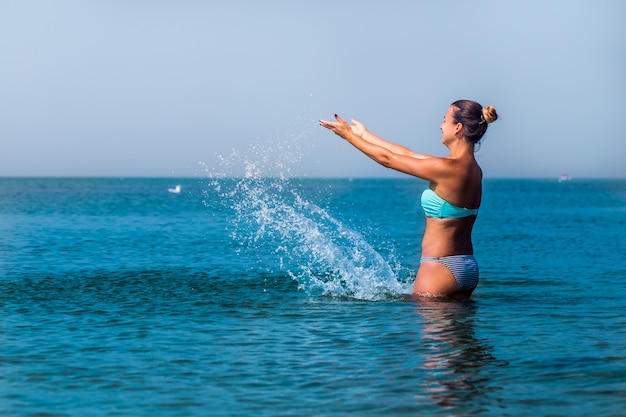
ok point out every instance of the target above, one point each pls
(474, 118)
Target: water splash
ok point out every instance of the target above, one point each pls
(275, 223)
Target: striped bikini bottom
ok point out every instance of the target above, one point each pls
(464, 268)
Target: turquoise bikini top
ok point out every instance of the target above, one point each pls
(437, 207)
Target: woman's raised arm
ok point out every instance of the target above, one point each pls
(360, 129)
(388, 154)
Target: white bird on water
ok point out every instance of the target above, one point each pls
(175, 190)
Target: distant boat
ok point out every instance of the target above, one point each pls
(175, 190)
(564, 177)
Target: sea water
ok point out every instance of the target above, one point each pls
(285, 296)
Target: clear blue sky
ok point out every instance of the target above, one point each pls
(152, 88)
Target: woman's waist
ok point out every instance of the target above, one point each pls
(439, 245)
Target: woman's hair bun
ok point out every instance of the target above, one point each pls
(489, 114)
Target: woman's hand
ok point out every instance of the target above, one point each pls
(343, 129)
(358, 128)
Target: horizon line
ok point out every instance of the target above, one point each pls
(297, 177)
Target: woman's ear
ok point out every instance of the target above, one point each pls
(458, 128)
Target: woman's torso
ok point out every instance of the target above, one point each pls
(453, 236)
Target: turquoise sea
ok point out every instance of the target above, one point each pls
(284, 297)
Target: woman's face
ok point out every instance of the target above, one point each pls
(449, 127)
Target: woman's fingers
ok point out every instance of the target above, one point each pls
(330, 125)
(327, 124)
(340, 127)
(341, 121)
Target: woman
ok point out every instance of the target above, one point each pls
(447, 267)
